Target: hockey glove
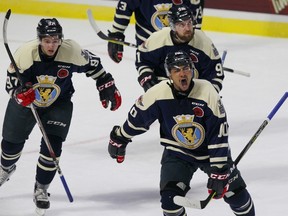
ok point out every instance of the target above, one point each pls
(25, 95)
(218, 181)
(147, 80)
(115, 50)
(108, 92)
(117, 144)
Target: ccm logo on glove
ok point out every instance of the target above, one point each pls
(219, 177)
(115, 144)
(145, 79)
(106, 85)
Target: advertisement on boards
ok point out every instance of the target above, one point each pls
(260, 6)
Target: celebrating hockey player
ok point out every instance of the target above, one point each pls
(150, 16)
(46, 65)
(194, 133)
(180, 36)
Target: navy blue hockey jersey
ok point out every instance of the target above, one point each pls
(150, 15)
(208, 65)
(194, 129)
(52, 80)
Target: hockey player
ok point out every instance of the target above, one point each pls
(180, 36)
(150, 16)
(194, 133)
(46, 65)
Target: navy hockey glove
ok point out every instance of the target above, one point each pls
(108, 92)
(25, 95)
(147, 80)
(218, 181)
(117, 144)
(115, 50)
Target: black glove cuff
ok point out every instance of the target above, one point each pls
(221, 171)
(104, 79)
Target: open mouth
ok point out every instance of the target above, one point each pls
(50, 52)
(184, 82)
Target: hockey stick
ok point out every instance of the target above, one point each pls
(102, 35)
(112, 40)
(261, 128)
(231, 70)
(33, 109)
(183, 201)
(223, 56)
(236, 72)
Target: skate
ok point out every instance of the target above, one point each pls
(5, 174)
(40, 198)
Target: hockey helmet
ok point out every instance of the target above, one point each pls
(176, 59)
(179, 13)
(49, 27)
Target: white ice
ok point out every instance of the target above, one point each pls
(100, 186)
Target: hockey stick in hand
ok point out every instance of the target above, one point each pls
(103, 36)
(33, 109)
(200, 204)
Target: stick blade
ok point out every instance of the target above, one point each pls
(197, 204)
(186, 202)
(8, 13)
(92, 21)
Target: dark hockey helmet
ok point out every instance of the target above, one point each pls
(49, 27)
(176, 59)
(179, 13)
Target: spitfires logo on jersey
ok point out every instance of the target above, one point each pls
(187, 133)
(221, 108)
(46, 91)
(140, 101)
(160, 19)
(215, 51)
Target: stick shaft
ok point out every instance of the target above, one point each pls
(261, 128)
